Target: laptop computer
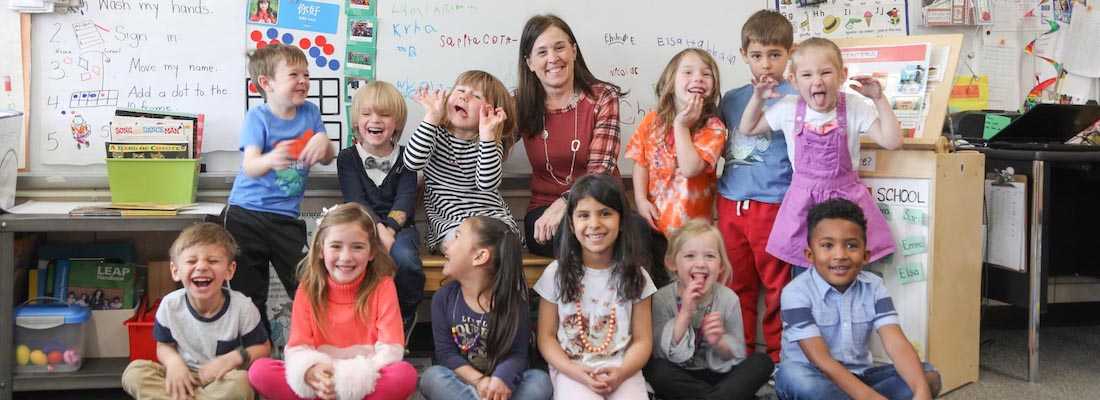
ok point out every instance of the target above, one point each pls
(1047, 127)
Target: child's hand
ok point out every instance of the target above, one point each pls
(713, 329)
(691, 112)
(319, 376)
(495, 389)
(649, 213)
(868, 86)
(490, 123)
(612, 376)
(693, 292)
(588, 377)
(764, 87)
(279, 158)
(386, 234)
(178, 382)
(316, 150)
(217, 368)
(433, 101)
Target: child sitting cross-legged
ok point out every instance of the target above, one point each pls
(829, 313)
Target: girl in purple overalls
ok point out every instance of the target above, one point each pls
(822, 127)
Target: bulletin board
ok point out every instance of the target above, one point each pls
(940, 91)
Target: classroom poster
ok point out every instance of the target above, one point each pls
(902, 70)
(847, 18)
(905, 204)
(318, 29)
(105, 55)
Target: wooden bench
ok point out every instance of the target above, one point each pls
(533, 266)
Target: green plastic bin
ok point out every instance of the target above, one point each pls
(153, 180)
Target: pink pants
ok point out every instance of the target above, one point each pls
(268, 377)
(565, 388)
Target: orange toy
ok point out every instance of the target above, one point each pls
(299, 144)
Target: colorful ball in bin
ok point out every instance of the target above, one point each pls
(38, 357)
(54, 358)
(22, 354)
(71, 357)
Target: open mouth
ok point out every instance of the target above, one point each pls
(697, 90)
(699, 276)
(819, 97)
(554, 70)
(375, 131)
(461, 112)
(839, 269)
(595, 237)
(201, 283)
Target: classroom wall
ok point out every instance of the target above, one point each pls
(419, 42)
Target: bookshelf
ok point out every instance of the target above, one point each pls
(96, 372)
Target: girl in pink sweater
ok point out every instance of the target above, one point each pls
(346, 338)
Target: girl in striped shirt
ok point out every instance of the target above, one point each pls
(461, 145)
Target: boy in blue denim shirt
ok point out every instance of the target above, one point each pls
(828, 315)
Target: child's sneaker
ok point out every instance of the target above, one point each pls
(771, 379)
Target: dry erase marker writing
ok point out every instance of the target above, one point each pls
(7, 84)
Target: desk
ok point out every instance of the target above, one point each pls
(95, 373)
(1041, 163)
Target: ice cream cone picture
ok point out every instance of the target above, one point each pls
(867, 17)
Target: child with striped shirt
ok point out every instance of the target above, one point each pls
(461, 145)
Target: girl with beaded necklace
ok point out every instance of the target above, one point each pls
(480, 320)
(699, 338)
(594, 317)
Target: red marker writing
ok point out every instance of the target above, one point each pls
(7, 83)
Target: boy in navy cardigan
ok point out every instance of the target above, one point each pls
(371, 173)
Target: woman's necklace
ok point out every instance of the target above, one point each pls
(698, 331)
(584, 329)
(454, 329)
(573, 146)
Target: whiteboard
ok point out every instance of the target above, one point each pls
(627, 43)
(405, 58)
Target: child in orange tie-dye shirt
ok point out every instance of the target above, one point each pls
(676, 148)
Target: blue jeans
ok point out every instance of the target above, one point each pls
(409, 278)
(796, 380)
(439, 382)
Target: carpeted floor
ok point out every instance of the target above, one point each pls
(1069, 366)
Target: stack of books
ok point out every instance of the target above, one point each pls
(130, 210)
(137, 133)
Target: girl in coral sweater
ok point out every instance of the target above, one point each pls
(346, 338)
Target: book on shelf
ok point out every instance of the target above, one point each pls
(61, 280)
(132, 209)
(148, 150)
(95, 211)
(198, 121)
(102, 285)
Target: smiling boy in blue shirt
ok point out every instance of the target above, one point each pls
(829, 313)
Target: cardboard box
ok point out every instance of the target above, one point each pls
(105, 332)
(160, 280)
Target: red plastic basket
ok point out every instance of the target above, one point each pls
(142, 344)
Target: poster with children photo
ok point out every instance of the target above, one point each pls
(355, 6)
(360, 60)
(264, 12)
(361, 30)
